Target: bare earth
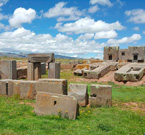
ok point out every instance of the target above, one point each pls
(109, 78)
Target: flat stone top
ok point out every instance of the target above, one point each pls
(5, 80)
(125, 69)
(52, 80)
(54, 95)
(41, 57)
(22, 81)
(74, 84)
(106, 86)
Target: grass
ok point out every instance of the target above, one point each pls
(20, 119)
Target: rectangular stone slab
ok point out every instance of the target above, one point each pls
(4, 87)
(8, 69)
(58, 86)
(41, 57)
(23, 89)
(80, 92)
(56, 104)
(102, 95)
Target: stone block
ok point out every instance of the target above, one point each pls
(58, 86)
(54, 70)
(101, 95)
(56, 104)
(41, 57)
(8, 69)
(43, 68)
(23, 89)
(130, 72)
(4, 87)
(34, 71)
(80, 92)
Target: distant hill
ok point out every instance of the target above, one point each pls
(21, 55)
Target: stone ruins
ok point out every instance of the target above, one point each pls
(54, 96)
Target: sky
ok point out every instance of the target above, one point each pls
(76, 28)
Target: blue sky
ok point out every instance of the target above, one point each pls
(78, 28)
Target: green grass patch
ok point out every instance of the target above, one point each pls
(20, 119)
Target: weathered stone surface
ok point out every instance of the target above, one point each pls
(101, 95)
(8, 69)
(58, 86)
(130, 72)
(54, 70)
(43, 68)
(41, 57)
(4, 87)
(56, 104)
(34, 71)
(24, 89)
(111, 53)
(79, 72)
(21, 73)
(80, 92)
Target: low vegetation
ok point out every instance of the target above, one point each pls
(125, 117)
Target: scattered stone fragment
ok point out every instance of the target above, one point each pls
(80, 92)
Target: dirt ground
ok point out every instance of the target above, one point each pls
(109, 77)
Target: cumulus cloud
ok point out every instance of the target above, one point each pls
(72, 13)
(105, 34)
(88, 25)
(102, 2)
(93, 9)
(86, 36)
(133, 38)
(136, 15)
(136, 28)
(22, 15)
(22, 40)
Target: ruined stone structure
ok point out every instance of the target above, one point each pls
(111, 53)
(130, 72)
(34, 66)
(132, 54)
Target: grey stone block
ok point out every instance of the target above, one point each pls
(54, 70)
(4, 87)
(101, 95)
(55, 104)
(58, 86)
(41, 57)
(80, 92)
(23, 89)
(43, 68)
(8, 69)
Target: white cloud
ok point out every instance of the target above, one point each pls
(22, 40)
(3, 2)
(143, 32)
(105, 34)
(3, 16)
(72, 13)
(133, 38)
(22, 15)
(88, 25)
(136, 28)
(86, 36)
(93, 9)
(136, 15)
(102, 2)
